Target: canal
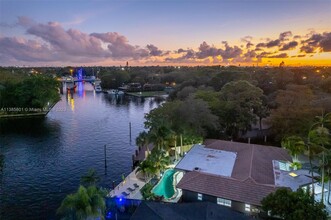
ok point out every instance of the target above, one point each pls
(45, 158)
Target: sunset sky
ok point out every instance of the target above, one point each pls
(165, 32)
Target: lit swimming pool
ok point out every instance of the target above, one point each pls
(165, 187)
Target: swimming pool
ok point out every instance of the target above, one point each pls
(165, 187)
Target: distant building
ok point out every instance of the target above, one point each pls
(237, 175)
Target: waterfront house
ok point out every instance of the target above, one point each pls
(237, 175)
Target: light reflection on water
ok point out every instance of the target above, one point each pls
(45, 158)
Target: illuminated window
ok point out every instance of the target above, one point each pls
(247, 207)
(293, 174)
(225, 202)
(199, 196)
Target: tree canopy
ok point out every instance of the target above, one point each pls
(293, 205)
(35, 91)
(85, 203)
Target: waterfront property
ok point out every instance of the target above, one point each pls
(237, 175)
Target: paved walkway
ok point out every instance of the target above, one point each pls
(129, 187)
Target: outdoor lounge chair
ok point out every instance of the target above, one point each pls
(136, 185)
(130, 189)
(125, 194)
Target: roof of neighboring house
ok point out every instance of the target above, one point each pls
(182, 211)
(246, 191)
(208, 160)
(254, 161)
(252, 176)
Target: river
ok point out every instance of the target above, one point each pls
(45, 158)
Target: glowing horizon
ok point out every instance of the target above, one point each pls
(145, 33)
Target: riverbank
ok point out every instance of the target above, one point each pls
(45, 157)
(25, 112)
(147, 93)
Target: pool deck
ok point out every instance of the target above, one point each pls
(129, 181)
(132, 179)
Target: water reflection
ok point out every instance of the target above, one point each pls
(38, 126)
(45, 157)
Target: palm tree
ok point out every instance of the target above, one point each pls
(142, 140)
(159, 160)
(319, 138)
(159, 133)
(146, 168)
(91, 178)
(84, 204)
(295, 145)
(328, 174)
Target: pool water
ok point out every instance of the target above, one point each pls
(165, 187)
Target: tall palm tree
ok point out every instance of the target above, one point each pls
(159, 133)
(146, 168)
(328, 174)
(84, 204)
(295, 145)
(320, 138)
(143, 140)
(91, 178)
(159, 160)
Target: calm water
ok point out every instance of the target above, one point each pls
(45, 158)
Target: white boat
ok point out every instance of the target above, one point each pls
(115, 92)
(97, 88)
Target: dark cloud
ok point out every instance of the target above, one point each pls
(300, 55)
(230, 52)
(249, 45)
(282, 55)
(289, 46)
(153, 50)
(263, 55)
(248, 56)
(247, 39)
(273, 43)
(297, 37)
(206, 50)
(325, 43)
(284, 36)
(260, 45)
(307, 49)
(317, 41)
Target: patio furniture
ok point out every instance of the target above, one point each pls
(136, 185)
(130, 189)
(125, 194)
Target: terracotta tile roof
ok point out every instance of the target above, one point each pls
(247, 191)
